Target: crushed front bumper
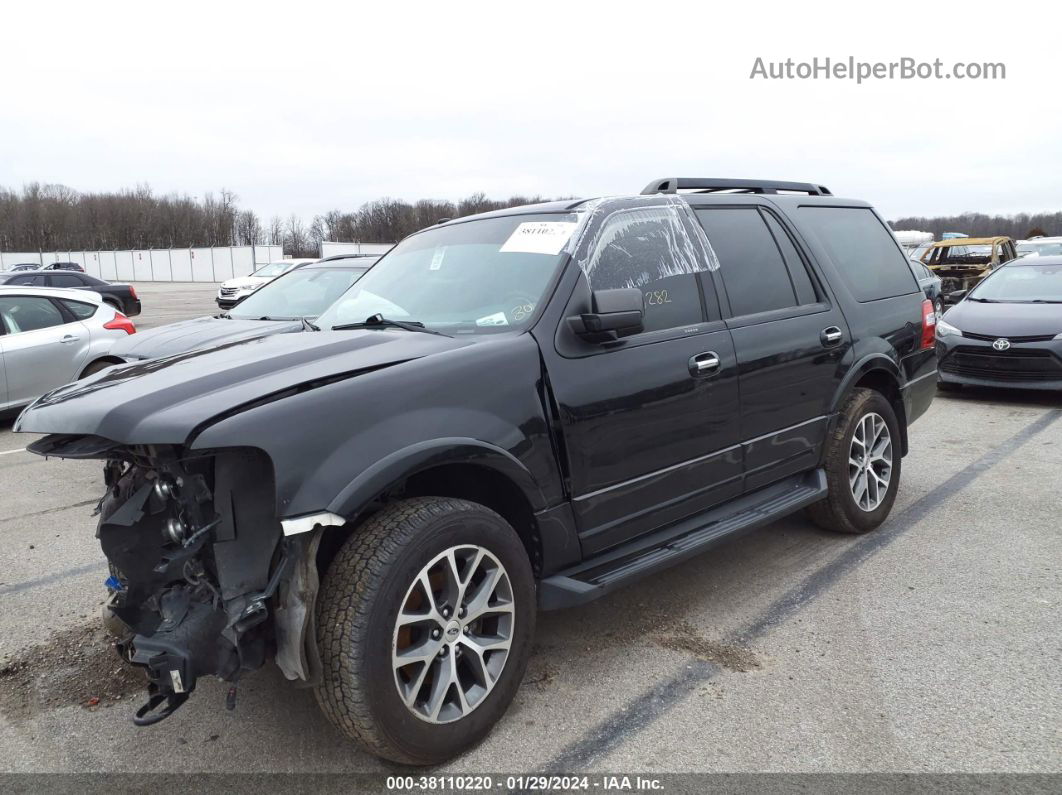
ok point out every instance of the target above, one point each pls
(202, 580)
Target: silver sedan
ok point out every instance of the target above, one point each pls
(50, 337)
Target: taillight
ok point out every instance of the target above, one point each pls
(120, 322)
(132, 292)
(929, 324)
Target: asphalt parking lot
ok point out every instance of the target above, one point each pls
(930, 645)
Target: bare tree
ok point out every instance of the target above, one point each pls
(296, 241)
(276, 231)
(248, 229)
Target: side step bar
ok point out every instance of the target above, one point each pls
(648, 554)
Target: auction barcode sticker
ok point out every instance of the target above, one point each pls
(539, 237)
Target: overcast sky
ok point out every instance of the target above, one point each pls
(304, 107)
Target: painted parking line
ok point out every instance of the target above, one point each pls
(9, 452)
(644, 710)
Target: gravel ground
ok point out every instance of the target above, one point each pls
(931, 645)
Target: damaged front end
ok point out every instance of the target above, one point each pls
(203, 581)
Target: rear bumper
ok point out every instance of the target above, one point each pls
(918, 393)
(131, 307)
(1034, 365)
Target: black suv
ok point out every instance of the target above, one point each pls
(526, 408)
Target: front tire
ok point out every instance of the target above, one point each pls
(424, 625)
(862, 466)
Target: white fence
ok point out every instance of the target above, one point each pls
(157, 265)
(329, 249)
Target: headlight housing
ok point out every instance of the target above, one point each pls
(945, 329)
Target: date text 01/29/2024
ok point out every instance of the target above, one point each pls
(540, 783)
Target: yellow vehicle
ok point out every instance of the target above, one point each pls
(963, 262)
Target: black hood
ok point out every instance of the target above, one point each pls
(202, 332)
(1006, 319)
(162, 401)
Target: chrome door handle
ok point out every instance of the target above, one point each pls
(68, 338)
(831, 336)
(704, 363)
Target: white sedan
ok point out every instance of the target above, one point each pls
(235, 290)
(50, 337)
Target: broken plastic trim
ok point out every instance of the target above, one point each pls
(147, 714)
(307, 522)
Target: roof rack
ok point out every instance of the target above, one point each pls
(708, 185)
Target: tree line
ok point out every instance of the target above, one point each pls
(58, 218)
(1019, 226)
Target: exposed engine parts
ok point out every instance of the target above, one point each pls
(197, 558)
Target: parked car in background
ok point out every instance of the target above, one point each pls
(522, 409)
(963, 262)
(233, 291)
(50, 337)
(930, 284)
(917, 252)
(280, 307)
(1007, 331)
(122, 297)
(1040, 246)
(24, 266)
(62, 266)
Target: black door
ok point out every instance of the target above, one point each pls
(789, 337)
(649, 422)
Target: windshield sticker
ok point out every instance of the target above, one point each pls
(437, 258)
(497, 319)
(539, 237)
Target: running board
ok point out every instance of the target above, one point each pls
(648, 554)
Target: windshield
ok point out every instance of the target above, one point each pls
(1022, 283)
(274, 269)
(1044, 248)
(306, 292)
(478, 276)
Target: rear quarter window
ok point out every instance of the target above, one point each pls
(79, 309)
(863, 249)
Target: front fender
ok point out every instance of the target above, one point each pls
(333, 444)
(422, 456)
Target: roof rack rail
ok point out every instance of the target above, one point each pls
(708, 185)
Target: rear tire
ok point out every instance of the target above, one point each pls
(376, 576)
(858, 500)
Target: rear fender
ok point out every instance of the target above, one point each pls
(876, 363)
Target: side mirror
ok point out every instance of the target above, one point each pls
(613, 311)
(957, 295)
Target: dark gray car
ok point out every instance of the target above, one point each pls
(1007, 331)
(930, 284)
(279, 307)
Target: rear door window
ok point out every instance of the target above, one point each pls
(798, 269)
(754, 274)
(863, 249)
(79, 309)
(65, 280)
